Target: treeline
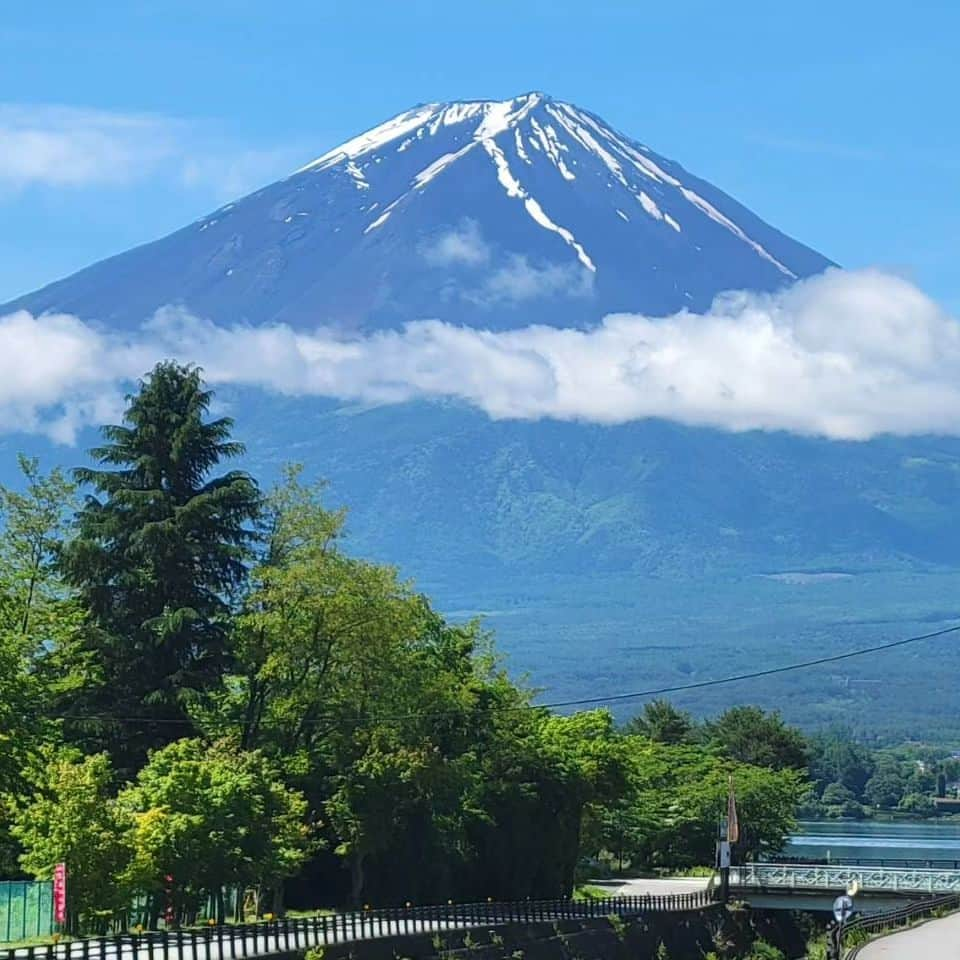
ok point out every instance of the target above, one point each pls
(199, 687)
(850, 780)
(846, 778)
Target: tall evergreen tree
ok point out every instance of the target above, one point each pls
(158, 552)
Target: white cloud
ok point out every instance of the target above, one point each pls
(461, 245)
(519, 280)
(843, 355)
(515, 280)
(68, 146)
(57, 374)
(59, 146)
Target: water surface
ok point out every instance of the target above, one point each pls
(871, 840)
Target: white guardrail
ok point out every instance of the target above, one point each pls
(833, 877)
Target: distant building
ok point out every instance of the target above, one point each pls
(947, 804)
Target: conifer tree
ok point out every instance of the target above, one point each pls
(160, 547)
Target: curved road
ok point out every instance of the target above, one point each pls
(938, 940)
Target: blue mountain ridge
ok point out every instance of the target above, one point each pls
(606, 557)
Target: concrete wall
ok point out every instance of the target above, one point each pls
(684, 937)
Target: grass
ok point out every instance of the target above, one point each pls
(692, 872)
(33, 942)
(586, 891)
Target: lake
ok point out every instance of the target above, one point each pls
(872, 840)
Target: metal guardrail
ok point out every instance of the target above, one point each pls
(905, 863)
(832, 876)
(235, 942)
(882, 923)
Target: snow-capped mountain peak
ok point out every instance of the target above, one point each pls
(493, 213)
(534, 129)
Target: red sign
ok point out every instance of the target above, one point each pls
(60, 893)
(169, 916)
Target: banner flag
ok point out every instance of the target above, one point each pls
(733, 823)
(60, 893)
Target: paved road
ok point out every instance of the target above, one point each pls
(938, 940)
(641, 886)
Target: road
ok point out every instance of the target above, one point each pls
(659, 887)
(938, 939)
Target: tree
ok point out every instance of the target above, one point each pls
(72, 819)
(325, 645)
(36, 522)
(837, 757)
(157, 555)
(884, 789)
(210, 816)
(677, 793)
(836, 794)
(37, 614)
(754, 737)
(544, 780)
(918, 804)
(660, 720)
(839, 801)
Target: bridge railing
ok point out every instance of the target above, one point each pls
(238, 941)
(832, 876)
(912, 863)
(850, 938)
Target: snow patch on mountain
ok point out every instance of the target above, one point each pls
(572, 130)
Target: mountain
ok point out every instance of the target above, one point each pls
(607, 558)
(486, 213)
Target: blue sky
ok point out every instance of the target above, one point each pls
(120, 121)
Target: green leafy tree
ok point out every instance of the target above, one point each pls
(37, 614)
(72, 818)
(36, 522)
(838, 800)
(158, 552)
(752, 736)
(884, 789)
(919, 778)
(660, 720)
(918, 804)
(837, 757)
(677, 793)
(330, 649)
(211, 816)
(544, 779)
(836, 794)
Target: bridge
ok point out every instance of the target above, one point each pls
(826, 877)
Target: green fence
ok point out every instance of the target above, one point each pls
(26, 910)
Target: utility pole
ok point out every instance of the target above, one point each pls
(723, 860)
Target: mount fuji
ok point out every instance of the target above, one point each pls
(490, 214)
(607, 557)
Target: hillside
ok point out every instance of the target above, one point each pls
(610, 556)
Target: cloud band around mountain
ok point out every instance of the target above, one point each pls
(845, 355)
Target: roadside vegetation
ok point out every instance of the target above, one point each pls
(202, 689)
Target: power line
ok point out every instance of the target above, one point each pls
(559, 704)
(803, 665)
